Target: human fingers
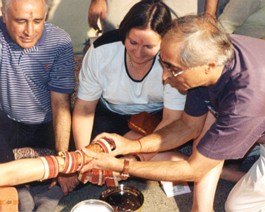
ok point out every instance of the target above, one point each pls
(117, 142)
(53, 183)
(93, 21)
(68, 182)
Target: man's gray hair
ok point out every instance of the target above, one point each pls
(5, 4)
(201, 40)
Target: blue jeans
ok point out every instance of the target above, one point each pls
(108, 121)
(16, 135)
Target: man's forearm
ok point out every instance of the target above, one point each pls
(62, 130)
(168, 137)
(162, 170)
(61, 120)
(192, 169)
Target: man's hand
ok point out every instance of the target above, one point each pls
(97, 10)
(67, 182)
(101, 161)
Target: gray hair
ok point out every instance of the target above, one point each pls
(201, 40)
(5, 4)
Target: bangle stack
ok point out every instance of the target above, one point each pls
(99, 177)
(71, 162)
(51, 167)
(74, 161)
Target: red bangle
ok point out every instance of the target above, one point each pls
(125, 170)
(51, 167)
(103, 144)
(71, 162)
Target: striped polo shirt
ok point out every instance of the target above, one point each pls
(28, 75)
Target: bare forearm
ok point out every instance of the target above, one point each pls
(183, 170)
(43, 168)
(158, 170)
(82, 129)
(162, 170)
(169, 116)
(168, 138)
(22, 171)
(18, 172)
(62, 129)
(83, 118)
(61, 120)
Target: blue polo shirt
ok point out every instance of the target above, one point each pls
(28, 75)
(237, 100)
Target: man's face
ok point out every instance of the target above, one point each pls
(178, 76)
(25, 21)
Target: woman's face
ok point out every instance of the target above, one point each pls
(142, 44)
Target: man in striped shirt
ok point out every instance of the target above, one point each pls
(36, 80)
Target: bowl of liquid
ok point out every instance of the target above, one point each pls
(123, 198)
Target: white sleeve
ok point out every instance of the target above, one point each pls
(173, 99)
(89, 88)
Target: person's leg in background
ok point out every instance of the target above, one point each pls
(108, 121)
(204, 190)
(41, 197)
(249, 193)
(8, 134)
(237, 12)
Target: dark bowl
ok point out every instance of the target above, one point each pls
(123, 198)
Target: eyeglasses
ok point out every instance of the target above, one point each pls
(171, 68)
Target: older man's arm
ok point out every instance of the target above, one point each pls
(62, 128)
(175, 134)
(169, 137)
(192, 169)
(61, 120)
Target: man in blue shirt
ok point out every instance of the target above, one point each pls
(36, 80)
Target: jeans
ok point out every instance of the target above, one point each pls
(16, 135)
